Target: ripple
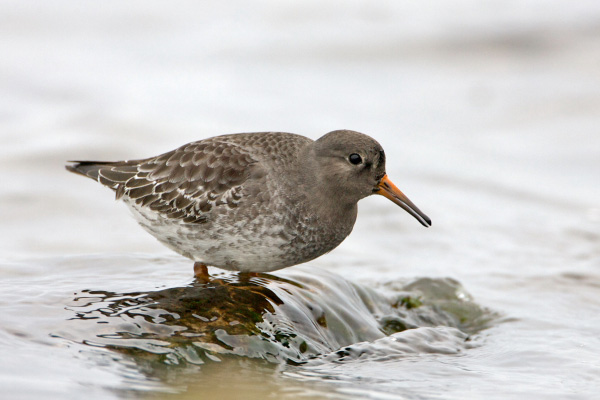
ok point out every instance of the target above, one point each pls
(309, 317)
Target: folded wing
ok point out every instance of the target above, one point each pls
(184, 184)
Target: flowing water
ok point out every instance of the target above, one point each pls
(489, 114)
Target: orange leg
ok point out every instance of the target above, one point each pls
(245, 276)
(200, 271)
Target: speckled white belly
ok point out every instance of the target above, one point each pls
(220, 243)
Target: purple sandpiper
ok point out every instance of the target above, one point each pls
(252, 202)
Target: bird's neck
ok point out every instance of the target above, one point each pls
(327, 202)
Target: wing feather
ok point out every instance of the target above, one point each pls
(185, 183)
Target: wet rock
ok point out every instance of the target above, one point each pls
(306, 315)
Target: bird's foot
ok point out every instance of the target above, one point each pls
(245, 276)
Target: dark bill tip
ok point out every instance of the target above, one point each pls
(387, 189)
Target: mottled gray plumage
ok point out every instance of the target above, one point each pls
(251, 201)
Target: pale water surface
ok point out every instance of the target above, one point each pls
(489, 114)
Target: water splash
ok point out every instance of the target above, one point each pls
(311, 316)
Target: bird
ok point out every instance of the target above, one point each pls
(252, 202)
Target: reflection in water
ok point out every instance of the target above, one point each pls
(314, 316)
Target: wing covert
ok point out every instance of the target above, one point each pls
(185, 183)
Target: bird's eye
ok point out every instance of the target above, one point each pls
(355, 158)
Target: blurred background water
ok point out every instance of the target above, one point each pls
(489, 115)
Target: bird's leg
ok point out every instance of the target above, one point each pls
(201, 271)
(245, 276)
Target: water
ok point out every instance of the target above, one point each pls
(488, 114)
